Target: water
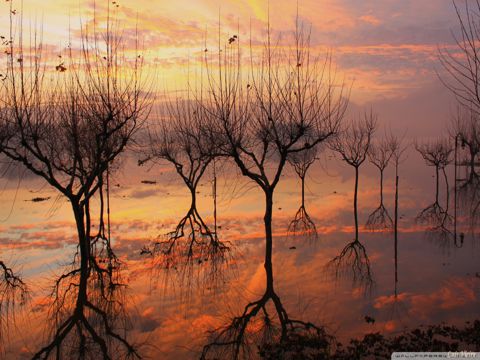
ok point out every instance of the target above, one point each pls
(170, 316)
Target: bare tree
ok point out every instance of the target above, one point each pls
(68, 132)
(398, 151)
(181, 141)
(303, 225)
(462, 65)
(353, 144)
(437, 154)
(290, 103)
(380, 155)
(466, 130)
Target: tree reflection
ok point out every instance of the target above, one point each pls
(264, 324)
(87, 315)
(437, 219)
(302, 225)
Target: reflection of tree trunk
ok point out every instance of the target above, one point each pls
(303, 191)
(355, 212)
(447, 189)
(472, 165)
(396, 229)
(268, 239)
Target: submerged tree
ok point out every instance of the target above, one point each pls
(437, 154)
(302, 225)
(68, 132)
(380, 155)
(290, 104)
(353, 144)
(181, 141)
(398, 150)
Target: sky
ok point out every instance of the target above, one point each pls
(387, 51)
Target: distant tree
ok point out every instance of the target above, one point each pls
(398, 154)
(466, 130)
(379, 155)
(436, 153)
(68, 131)
(180, 140)
(302, 225)
(353, 144)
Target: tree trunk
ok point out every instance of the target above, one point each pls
(84, 245)
(355, 211)
(436, 187)
(268, 239)
(381, 187)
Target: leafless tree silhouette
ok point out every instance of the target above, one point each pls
(68, 132)
(380, 155)
(436, 153)
(398, 151)
(466, 130)
(302, 225)
(353, 144)
(437, 219)
(290, 103)
(462, 65)
(181, 141)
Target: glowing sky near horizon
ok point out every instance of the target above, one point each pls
(387, 50)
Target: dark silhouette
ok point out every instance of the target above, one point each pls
(398, 150)
(69, 132)
(181, 141)
(462, 76)
(285, 109)
(353, 144)
(379, 155)
(437, 219)
(466, 131)
(13, 292)
(302, 225)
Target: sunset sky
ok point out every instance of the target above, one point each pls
(387, 50)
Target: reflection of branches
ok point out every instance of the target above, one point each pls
(87, 309)
(353, 262)
(379, 219)
(380, 155)
(12, 291)
(437, 219)
(302, 224)
(466, 130)
(257, 327)
(469, 199)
